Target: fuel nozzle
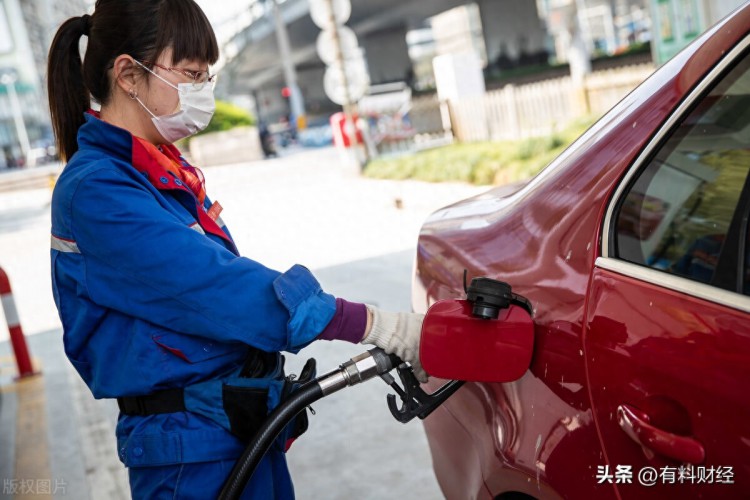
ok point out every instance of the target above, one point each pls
(487, 297)
(360, 368)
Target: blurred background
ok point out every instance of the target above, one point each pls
(412, 75)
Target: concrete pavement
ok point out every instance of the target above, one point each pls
(303, 208)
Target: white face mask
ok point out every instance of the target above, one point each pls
(196, 109)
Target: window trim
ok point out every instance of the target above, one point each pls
(608, 261)
(676, 283)
(734, 246)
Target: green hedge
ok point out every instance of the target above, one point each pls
(481, 162)
(228, 116)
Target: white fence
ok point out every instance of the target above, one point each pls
(536, 109)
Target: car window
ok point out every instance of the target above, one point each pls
(678, 214)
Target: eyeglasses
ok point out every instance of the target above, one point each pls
(199, 78)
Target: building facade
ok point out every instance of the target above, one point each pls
(606, 27)
(679, 22)
(26, 31)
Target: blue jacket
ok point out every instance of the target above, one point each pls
(151, 298)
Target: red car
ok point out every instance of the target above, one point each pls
(633, 248)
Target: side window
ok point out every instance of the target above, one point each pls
(687, 203)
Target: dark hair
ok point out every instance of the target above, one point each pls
(142, 29)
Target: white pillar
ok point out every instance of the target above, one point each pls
(296, 102)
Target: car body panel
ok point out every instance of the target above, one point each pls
(539, 435)
(681, 360)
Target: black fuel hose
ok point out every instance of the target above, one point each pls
(358, 369)
(276, 421)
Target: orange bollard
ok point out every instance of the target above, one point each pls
(14, 327)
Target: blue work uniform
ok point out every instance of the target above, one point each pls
(153, 295)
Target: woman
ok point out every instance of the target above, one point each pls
(158, 308)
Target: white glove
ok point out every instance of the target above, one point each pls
(399, 334)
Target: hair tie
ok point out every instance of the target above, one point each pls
(86, 23)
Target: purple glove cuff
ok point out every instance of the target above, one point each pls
(348, 323)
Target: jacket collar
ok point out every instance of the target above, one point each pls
(99, 135)
(154, 163)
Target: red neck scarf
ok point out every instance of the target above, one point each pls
(166, 169)
(170, 160)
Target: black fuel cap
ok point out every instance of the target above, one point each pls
(488, 297)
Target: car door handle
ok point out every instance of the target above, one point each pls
(636, 424)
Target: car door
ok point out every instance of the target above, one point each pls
(668, 320)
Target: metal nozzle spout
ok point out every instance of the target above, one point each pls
(357, 370)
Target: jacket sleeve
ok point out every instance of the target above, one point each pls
(143, 261)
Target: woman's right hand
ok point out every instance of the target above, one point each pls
(396, 333)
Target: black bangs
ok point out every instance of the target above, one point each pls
(184, 27)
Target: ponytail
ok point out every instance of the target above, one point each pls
(68, 96)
